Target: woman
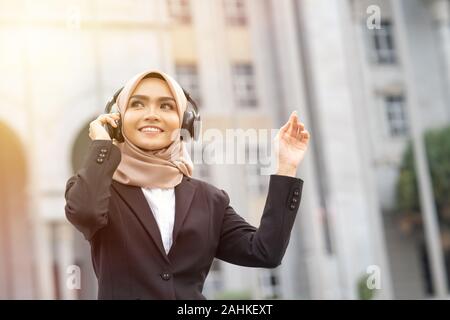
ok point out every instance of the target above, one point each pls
(154, 231)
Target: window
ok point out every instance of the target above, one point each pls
(397, 122)
(381, 44)
(244, 86)
(235, 12)
(180, 10)
(187, 77)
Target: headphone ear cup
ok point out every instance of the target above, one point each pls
(196, 127)
(188, 124)
(110, 130)
(118, 131)
(114, 133)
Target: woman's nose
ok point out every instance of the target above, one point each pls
(151, 113)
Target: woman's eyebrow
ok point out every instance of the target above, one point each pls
(166, 98)
(138, 96)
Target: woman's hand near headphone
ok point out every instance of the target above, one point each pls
(97, 129)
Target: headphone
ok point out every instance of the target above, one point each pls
(191, 120)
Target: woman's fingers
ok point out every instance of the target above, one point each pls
(284, 128)
(97, 129)
(108, 118)
(294, 127)
(112, 122)
(290, 123)
(305, 134)
(300, 127)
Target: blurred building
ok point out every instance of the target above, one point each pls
(248, 63)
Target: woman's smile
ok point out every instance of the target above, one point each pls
(151, 131)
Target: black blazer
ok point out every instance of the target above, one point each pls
(126, 247)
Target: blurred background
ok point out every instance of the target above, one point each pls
(370, 79)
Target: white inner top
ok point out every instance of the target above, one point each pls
(162, 203)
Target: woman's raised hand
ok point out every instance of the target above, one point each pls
(292, 140)
(97, 129)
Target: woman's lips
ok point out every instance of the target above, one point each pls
(151, 133)
(151, 130)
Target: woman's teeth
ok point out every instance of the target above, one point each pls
(151, 130)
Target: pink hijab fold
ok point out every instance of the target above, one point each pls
(163, 168)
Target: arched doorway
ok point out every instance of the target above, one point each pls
(16, 260)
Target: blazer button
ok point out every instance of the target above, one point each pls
(294, 200)
(99, 160)
(292, 206)
(165, 276)
(102, 155)
(104, 150)
(296, 192)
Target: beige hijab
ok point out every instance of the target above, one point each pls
(162, 168)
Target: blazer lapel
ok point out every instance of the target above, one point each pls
(184, 193)
(136, 200)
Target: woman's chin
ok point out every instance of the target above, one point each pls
(151, 146)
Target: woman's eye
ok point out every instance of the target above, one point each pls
(136, 104)
(167, 106)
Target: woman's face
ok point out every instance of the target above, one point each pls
(151, 115)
